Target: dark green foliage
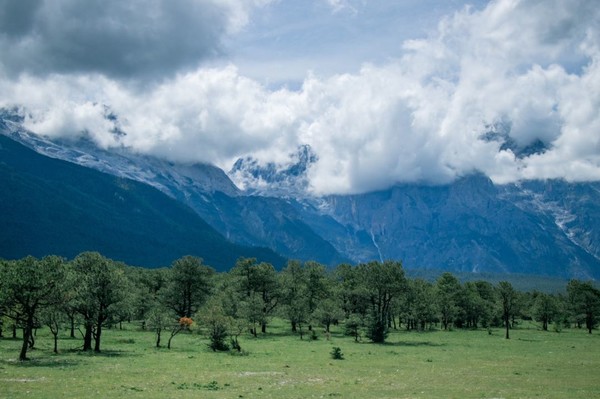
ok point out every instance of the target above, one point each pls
(545, 309)
(376, 330)
(382, 283)
(336, 353)
(218, 337)
(447, 295)
(584, 301)
(352, 327)
(28, 286)
(159, 319)
(217, 324)
(328, 312)
(235, 344)
(257, 290)
(508, 303)
(189, 284)
(417, 307)
(294, 285)
(227, 305)
(100, 291)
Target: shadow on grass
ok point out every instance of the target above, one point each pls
(8, 339)
(106, 353)
(413, 343)
(306, 335)
(55, 361)
(275, 333)
(529, 340)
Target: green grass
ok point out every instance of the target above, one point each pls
(454, 364)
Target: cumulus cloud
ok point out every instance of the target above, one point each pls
(122, 39)
(516, 71)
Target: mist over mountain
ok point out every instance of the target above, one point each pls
(534, 227)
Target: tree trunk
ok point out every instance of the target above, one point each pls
(72, 321)
(25, 346)
(263, 327)
(169, 341)
(158, 331)
(27, 330)
(55, 342)
(87, 337)
(294, 328)
(98, 334)
(14, 330)
(507, 323)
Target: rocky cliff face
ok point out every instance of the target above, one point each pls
(472, 225)
(573, 207)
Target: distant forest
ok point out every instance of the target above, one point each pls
(92, 292)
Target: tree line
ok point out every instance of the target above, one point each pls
(91, 292)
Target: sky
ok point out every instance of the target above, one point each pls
(384, 91)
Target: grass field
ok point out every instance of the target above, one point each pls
(452, 364)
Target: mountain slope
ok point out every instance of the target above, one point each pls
(54, 207)
(248, 220)
(469, 225)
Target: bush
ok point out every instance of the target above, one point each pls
(313, 335)
(235, 344)
(336, 353)
(377, 331)
(352, 327)
(217, 336)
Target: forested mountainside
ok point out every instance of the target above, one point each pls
(50, 206)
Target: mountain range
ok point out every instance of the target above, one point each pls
(470, 225)
(51, 206)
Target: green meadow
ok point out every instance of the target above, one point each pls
(435, 364)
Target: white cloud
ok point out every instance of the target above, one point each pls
(531, 67)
